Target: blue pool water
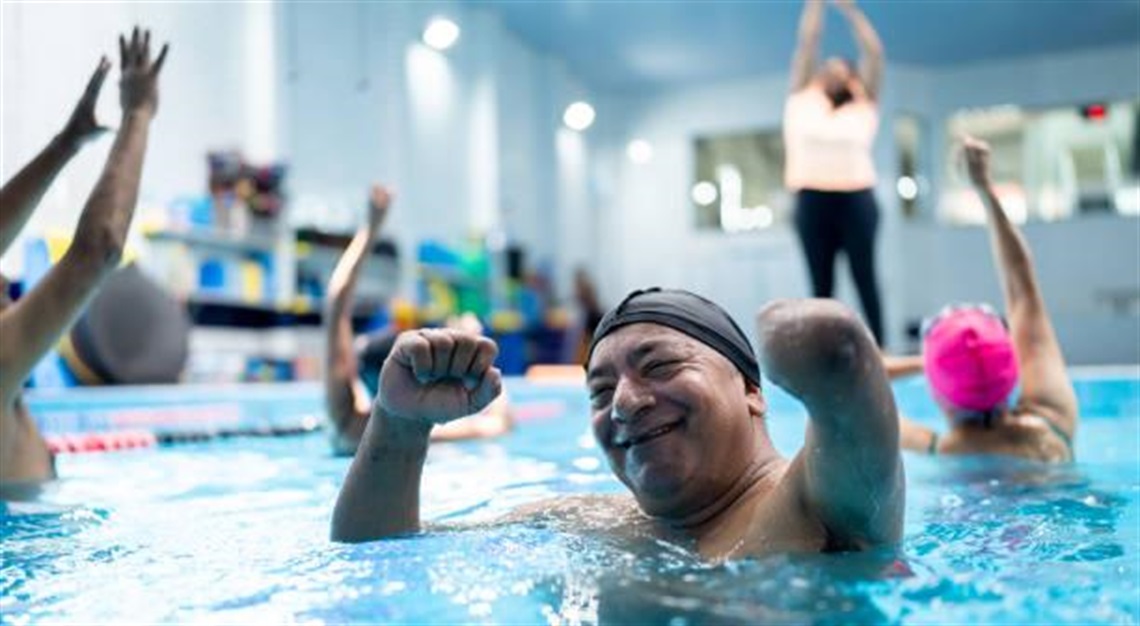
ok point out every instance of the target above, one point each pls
(235, 531)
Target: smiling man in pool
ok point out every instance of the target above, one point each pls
(679, 412)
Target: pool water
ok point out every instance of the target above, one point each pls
(236, 531)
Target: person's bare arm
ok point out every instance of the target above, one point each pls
(902, 366)
(20, 195)
(346, 402)
(431, 377)
(1045, 385)
(849, 469)
(916, 437)
(32, 325)
(807, 44)
(871, 57)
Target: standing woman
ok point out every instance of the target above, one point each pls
(830, 121)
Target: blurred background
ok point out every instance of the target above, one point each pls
(639, 143)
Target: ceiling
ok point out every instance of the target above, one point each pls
(628, 45)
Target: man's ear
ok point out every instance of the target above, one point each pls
(757, 404)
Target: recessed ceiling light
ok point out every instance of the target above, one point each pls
(578, 116)
(704, 193)
(441, 33)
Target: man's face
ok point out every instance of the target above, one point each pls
(676, 420)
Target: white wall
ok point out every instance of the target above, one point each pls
(646, 218)
(466, 136)
(214, 93)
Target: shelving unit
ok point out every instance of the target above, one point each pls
(295, 268)
(220, 240)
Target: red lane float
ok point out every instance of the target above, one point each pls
(100, 442)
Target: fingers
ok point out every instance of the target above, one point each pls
(413, 350)
(160, 60)
(381, 197)
(489, 387)
(443, 346)
(96, 82)
(484, 358)
(972, 143)
(135, 53)
(434, 354)
(461, 358)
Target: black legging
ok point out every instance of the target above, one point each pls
(830, 221)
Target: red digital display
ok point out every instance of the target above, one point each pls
(1094, 112)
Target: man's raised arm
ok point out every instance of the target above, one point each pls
(431, 377)
(849, 469)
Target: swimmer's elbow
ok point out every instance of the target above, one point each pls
(100, 246)
(814, 337)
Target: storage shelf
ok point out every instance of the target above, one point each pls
(216, 239)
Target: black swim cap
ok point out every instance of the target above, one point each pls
(688, 313)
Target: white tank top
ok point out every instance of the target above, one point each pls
(827, 148)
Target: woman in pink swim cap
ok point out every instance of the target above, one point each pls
(973, 360)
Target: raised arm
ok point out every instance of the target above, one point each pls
(871, 58)
(849, 469)
(807, 44)
(34, 323)
(903, 365)
(916, 437)
(346, 402)
(20, 195)
(431, 377)
(1045, 385)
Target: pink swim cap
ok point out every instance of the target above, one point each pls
(969, 359)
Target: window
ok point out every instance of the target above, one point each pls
(1049, 164)
(739, 182)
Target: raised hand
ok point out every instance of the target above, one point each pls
(977, 155)
(379, 199)
(438, 375)
(82, 127)
(138, 88)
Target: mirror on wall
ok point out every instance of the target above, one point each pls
(1049, 164)
(738, 184)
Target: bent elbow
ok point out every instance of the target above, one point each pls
(822, 334)
(101, 247)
